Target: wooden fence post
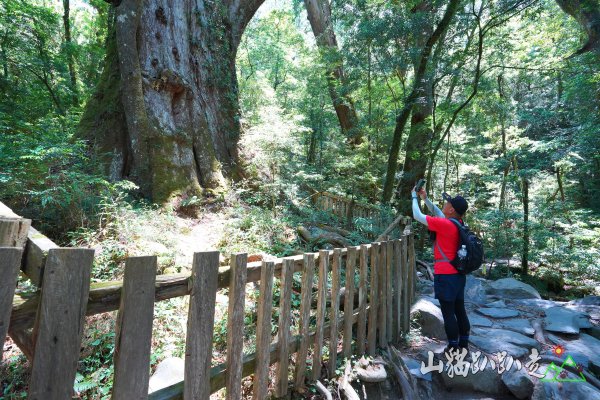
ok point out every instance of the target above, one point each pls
(64, 292)
(235, 326)
(389, 292)
(335, 309)
(361, 330)
(307, 284)
(263, 331)
(405, 286)
(321, 305)
(382, 294)
(373, 300)
(285, 304)
(397, 271)
(133, 333)
(10, 263)
(203, 284)
(349, 301)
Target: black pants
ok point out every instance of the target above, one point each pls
(450, 291)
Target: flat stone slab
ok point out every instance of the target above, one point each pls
(510, 288)
(564, 390)
(536, 303)
(496, 304)
(564, 320)
(498, 312)
(518, 325)
(493, 340)
(477, 320)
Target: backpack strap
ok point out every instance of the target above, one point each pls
(445, 259)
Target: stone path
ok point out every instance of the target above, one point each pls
(503, 315)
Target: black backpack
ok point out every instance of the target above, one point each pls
(474, 249)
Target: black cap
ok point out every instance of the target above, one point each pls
(458, 202)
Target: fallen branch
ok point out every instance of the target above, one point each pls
(391, 227)
(412, 380)
(345, 385)
(332, 238)
(323, 390)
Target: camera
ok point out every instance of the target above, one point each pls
(420, 184)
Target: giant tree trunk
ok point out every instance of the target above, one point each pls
(166, 112)
(69, 46)
(587, 14)
(319, 15)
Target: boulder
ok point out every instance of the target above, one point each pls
(414, 367)
(518, 382)
(486, 381)
(498, 312)
(587, 301)
(168, 372)
(475, 290)
(430, 318)
(564, 320)
(510, 288)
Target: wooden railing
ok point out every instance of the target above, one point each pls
(382, 273)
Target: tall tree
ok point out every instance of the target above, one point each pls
(402, 118)
(166, 112)
(69, 50)
(587, 14)
(319, 15)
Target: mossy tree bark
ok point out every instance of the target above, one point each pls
(166, 114)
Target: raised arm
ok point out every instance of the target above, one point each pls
(433, 208)
(417, 214)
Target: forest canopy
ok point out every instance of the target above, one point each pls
(497, 100)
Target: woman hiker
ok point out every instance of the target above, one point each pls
(448, 283)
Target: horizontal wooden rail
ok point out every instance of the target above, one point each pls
(217, 373)
(106, 296)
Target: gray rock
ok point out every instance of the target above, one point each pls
(425, 286)
(564, 320)
(587, 301)
(477, 320)
(373, 373)
(585, 350)
(168, 372)
(486, 381)
(498, 312)
(518, 325)
(535, 303)
(593, 312)
(496, 304)
(594, 331)
(510, 288)
(430, 318)
(492, 340)
(518, 382)
(414, 367)
(565, 390)
(475, 290)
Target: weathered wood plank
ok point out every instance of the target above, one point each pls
(361, 330)
(133, 334)
(263, 332)
(305, 306)
(36, 252)
(10, 262)
(285, 306)
(321, 305)
(389, 296)
(335, 309)
(405, 302)
(13, 231)
(200, 325)
(349, 301)
(397, 289)
(105, 296)
(65, 293)
(412, 265)
(373, 300)
(382, 297)
(217, 381)
(235, 326)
